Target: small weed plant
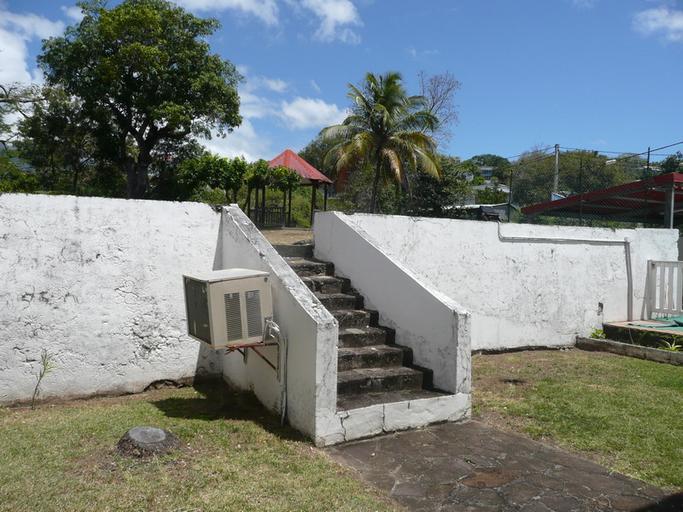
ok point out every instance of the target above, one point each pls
(598, 334)
(46, 366)
(670, 345)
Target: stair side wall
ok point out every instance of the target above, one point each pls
(311, 332)
(431, 324)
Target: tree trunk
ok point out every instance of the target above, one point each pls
(137, 172)
(375, 185)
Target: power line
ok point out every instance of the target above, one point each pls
(627, 154)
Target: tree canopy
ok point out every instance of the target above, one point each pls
(386, 131)
(144, 74)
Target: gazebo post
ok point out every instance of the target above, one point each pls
(249, 202)
(314, 190)
(283, 217)
(289, 207)
(263, 206)
(325, 198)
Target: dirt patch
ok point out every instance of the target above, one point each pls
(288, 236)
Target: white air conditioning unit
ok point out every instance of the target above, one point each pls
(228, 307)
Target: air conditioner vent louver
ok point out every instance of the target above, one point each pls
(233, 318)
(254, 320)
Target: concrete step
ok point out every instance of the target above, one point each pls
(356, 401)
(294, 250)
(363, 380)
(355, 318)
(362, 337)
(305, 267)
(373, 356)
(333, 301)
(326, 284)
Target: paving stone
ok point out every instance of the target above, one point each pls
(473, 467)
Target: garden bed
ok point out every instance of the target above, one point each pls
(645, 333)
(628, 349)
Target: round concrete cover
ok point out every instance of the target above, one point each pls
(147, 441)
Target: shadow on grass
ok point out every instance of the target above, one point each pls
(218, 401)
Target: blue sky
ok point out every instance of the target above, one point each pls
(599, 74)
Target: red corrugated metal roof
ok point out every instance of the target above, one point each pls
(642, 201)
(291, 160)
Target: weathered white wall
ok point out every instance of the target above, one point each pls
(311, 333)
(523, 293)
(97, 282)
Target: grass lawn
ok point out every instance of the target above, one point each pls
(625, 413)
(235, 457)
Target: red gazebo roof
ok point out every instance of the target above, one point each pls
(291, 160)
(638, 201)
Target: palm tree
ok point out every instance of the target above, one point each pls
(386, 130)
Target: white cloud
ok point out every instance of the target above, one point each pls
(335, 17)
(275, 84)
(415, 53)
(311, 113)
(243, 141)
(662, 20)
(265, 10)
(73, 12)
(315, 86)
(16, 31)
(253, 106)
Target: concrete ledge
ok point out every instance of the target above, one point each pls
(626, 349)
(391, 417)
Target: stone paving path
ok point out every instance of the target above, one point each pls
(473, 467)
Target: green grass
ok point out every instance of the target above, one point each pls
(235, 457)
(626, 413)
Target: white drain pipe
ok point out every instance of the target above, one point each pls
(626, 242)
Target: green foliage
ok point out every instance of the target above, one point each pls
(501, 165)
(13, 179)
(315, 152)
(491, 195)
(597, 334)
(386, 133)
(672, 163)
(670, 345)
(258, 175)
(144, 73)
(580, 171)
(433, 197)
(283, 178)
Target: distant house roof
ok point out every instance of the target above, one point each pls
(639, 201)
(291, 160)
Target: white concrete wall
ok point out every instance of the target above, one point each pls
(97, 282)
(311, 333)
(523, 293)
(433, 325)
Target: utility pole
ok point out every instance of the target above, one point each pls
(648, 161)
(556, 179)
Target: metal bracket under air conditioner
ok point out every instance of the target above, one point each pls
(244, 350)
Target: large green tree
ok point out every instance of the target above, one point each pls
(144, 73)
(386, 131)
(56, 139)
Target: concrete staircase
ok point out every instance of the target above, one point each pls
(371, 368)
